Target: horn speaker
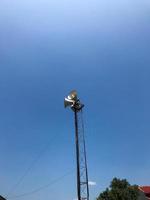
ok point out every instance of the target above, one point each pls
(70, 99)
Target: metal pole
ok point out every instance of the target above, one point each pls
(77, 154)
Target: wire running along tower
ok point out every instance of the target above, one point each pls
(82, 174)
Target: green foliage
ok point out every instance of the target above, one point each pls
(120, 190)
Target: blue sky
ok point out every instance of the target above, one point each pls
(47, 48)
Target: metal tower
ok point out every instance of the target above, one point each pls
(82, 173)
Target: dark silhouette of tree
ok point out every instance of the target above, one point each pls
(120, 190)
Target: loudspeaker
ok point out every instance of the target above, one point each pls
(68, 102)
(73, 95)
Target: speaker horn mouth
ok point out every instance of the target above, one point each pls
(69, 102)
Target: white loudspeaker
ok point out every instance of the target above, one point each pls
(68, 102)
(71, 99)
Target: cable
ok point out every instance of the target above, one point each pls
(42, 187)
(30, 167)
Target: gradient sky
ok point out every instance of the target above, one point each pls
(49, 47)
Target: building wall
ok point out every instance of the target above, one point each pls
(142, 196)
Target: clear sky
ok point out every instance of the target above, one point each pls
(49, 47)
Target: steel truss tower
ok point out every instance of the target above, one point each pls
(82, 173)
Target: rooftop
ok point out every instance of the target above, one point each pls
(146, 191)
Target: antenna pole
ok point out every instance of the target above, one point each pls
(77, 154)
(82, 173)
(81, 162)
